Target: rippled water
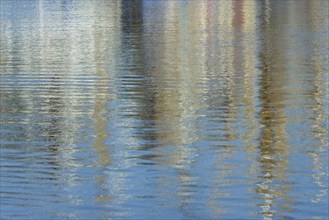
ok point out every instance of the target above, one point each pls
(164, 109)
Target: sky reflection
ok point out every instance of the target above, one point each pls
(164, 109)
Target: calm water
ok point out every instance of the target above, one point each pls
(164, 109)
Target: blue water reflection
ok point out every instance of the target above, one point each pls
(164, 109)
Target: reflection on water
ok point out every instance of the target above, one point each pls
(170, 109)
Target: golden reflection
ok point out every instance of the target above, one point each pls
(179, 68)
(221, 92)
(319, 61)
(250, 73)
(100, 122)
(273, 149)
(106, 43)
(105, 47)
(227, 69)
(175, 100)
(223, 78)
(173, 107)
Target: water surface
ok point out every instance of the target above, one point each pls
(164, 109)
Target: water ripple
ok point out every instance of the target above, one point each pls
(164, 109)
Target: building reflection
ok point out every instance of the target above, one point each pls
(177, 90)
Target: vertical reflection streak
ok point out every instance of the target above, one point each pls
(221, 108)
(250, 74)
(320, 93)
(272, 141)
(171, 109)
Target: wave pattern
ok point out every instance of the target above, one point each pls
(172, 109)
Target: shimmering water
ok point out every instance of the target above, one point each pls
(164, 109)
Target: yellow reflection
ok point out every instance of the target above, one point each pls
(180, 70)
(100, 123)
(105, 37)
(223, 94)
(176, 100)
(273, 149)
(250, 72)
(320, 96)
(106, 34)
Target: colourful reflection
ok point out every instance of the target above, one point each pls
(190, 109)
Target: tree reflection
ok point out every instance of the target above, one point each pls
(273, 150)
